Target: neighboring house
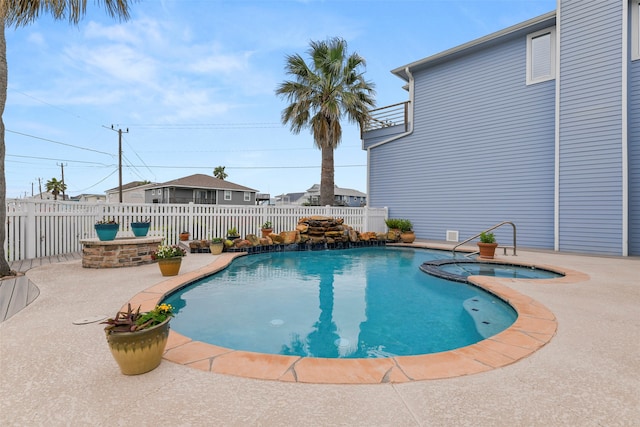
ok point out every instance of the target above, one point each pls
(538, 124)
(89, 198)
(200, 189)
(342, 196)
(289, 199)
(132, 192)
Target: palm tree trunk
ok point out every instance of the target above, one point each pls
(327, 178)
(5, 270)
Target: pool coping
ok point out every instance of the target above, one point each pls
(534, 327)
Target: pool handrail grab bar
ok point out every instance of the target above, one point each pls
(453, 251)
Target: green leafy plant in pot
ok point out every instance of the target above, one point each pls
(216, 245)
(267, 228)
(487, 245)
(137, 340)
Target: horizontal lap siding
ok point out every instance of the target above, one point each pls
(590, 209)
(634, 158)
(482, 151)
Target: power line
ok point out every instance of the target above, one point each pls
(56, 159)
(58, 142)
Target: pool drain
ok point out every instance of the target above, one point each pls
(277, 322)
(342, 342)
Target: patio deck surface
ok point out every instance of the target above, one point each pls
(57, 373)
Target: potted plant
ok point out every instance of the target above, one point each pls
(232, 233)
(216, 245)
(487, 245)
(169, 259)
(106, 229)
(406, 231)
(184, 235)
(140, 228)
(137, 340)
(400, 229)
(267, 228)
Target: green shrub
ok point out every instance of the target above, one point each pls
(487, 237)
(403, 225)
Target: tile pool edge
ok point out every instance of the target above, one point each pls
(534, 327)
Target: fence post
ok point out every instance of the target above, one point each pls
(30, 231)
(190, 220)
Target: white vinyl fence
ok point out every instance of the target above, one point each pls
(38, 229)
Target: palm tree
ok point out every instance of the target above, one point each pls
(18, 13)
(55, 187)
(328, 89)
(219, 172)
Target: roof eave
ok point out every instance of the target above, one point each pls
(539, 21)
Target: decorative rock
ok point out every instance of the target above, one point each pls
(255, 240)
(302, 228)
(239, 243)
(266, 241)
(353, 236)
(276, 238)
(290, 237)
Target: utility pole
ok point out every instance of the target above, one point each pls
(120, 132)
(62, 167)
(40, 186)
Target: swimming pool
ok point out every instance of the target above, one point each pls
(359, 303)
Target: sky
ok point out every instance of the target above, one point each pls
(192, 83)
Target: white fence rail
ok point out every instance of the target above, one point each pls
(47, 228)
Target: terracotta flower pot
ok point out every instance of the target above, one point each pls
(140, 351)
(487, 250)
(184, 236)
(170, 266)
(266, 231)
(407, 237)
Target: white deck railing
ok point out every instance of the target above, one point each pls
(38, 229)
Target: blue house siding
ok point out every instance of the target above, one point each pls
(481, 151)
(634, 158)
(590, 207)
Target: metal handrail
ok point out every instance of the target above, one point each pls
(453, 251)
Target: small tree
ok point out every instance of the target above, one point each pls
(219, 173)
(55, 187)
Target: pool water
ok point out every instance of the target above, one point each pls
(357, 303)
(498, 270)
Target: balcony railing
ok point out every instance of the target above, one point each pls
(391, 115)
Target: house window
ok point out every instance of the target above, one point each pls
(247, 196)
(635, 29)
(153, 192)
(541, 56)
(227, 194)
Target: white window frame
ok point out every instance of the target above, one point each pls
(552, 52)
(635, 30)
(227, 194)
(247, 196)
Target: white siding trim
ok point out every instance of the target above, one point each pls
(531, 79)
(635, 28)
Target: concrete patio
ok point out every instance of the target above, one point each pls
(57, 373)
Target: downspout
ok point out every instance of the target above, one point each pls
(556, 177)
(393, 138)
(625, 130)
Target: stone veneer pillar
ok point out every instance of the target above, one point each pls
(123, 252)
